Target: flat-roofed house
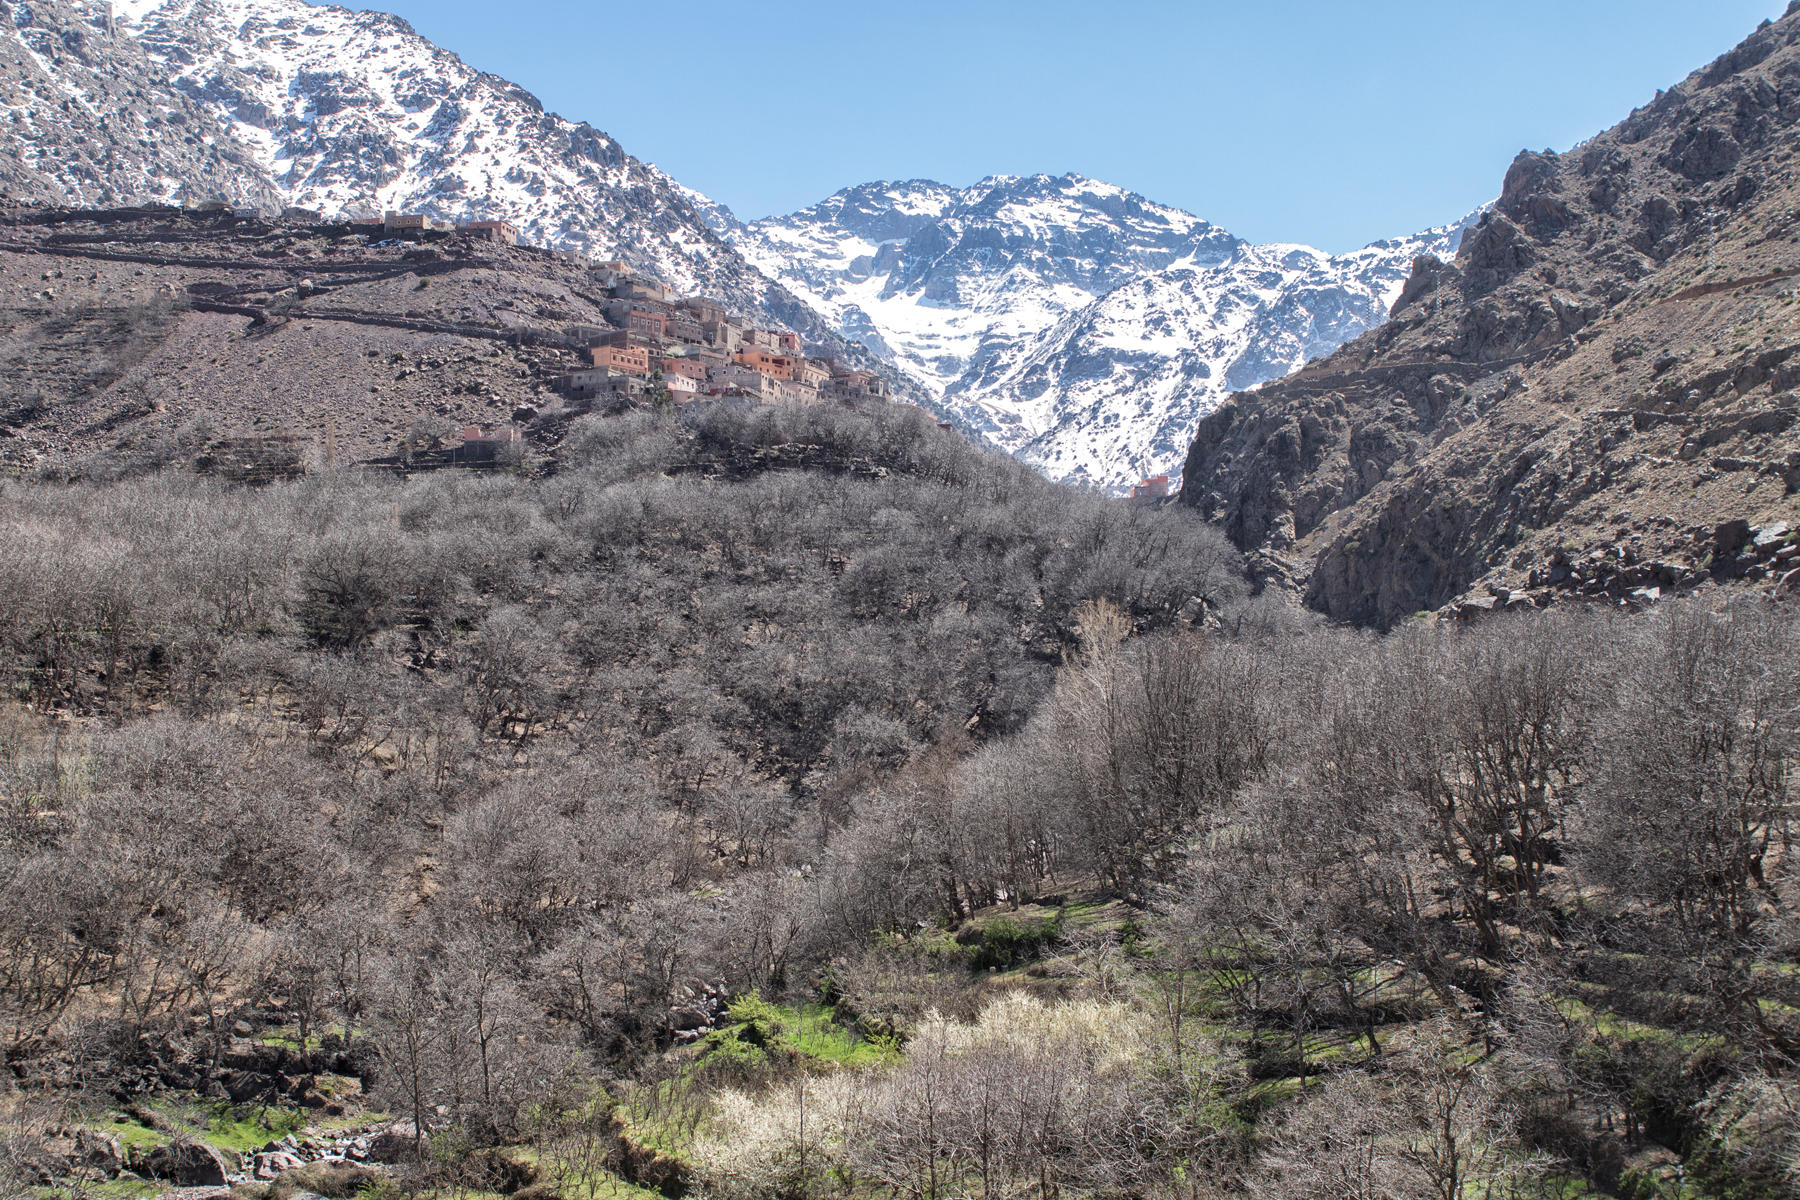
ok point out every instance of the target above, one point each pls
(862, 383)
(795, 392)
(704, 311)
(595, 381)
(619, 311)
(727, 335)
(637, 288)
(399, 222)
(1156, 487)
(647, 323)
(775, 366)
(740, 380)
(481, 447)
(630, 359)
(504, 232)
(690, 367)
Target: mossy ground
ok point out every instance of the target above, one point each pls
(236, 1129)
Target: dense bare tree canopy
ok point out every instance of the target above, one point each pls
(805, 804)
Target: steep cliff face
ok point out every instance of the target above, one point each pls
(1072, 322)
(1602, 374)
(89, 118)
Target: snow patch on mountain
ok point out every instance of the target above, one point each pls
(1112, 393)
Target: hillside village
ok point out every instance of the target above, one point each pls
(689, 348)
(681, 348)
(658, 347)
(143, 330)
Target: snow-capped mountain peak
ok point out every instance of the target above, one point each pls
(1073, 321)
(939, 278)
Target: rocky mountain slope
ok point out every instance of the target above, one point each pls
(346, 113)
(1595, 397)
(145, 336)
(1074, 323)
(87, 120)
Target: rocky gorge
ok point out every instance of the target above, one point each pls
(1608, 359)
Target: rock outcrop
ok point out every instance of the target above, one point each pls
(1607, 364)
(184, 1164)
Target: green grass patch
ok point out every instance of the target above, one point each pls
(1614, 1027)
(133, 1135)
(233, 1128)
(604, 1185)
(596, 1183)
(1110, 916)
(1264, 1097)
(762, 1032)
(666, 1117)
(815, 1032)
(1566, 1187)
(287, 1037)
(1006, 941)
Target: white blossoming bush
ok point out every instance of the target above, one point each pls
(790, 1141)
(1030, 1095)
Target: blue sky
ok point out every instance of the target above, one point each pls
(1332, 122)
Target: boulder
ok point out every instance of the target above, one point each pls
(683, 1019)
(1788, 588)
(395, 1144)
(184, 1164)
(271, 1164)
(1730, 537)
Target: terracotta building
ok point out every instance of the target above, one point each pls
(1154, 488)
(811, 372)
(646, 323)
(775, 366)
(621, 358)
(692, 368)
